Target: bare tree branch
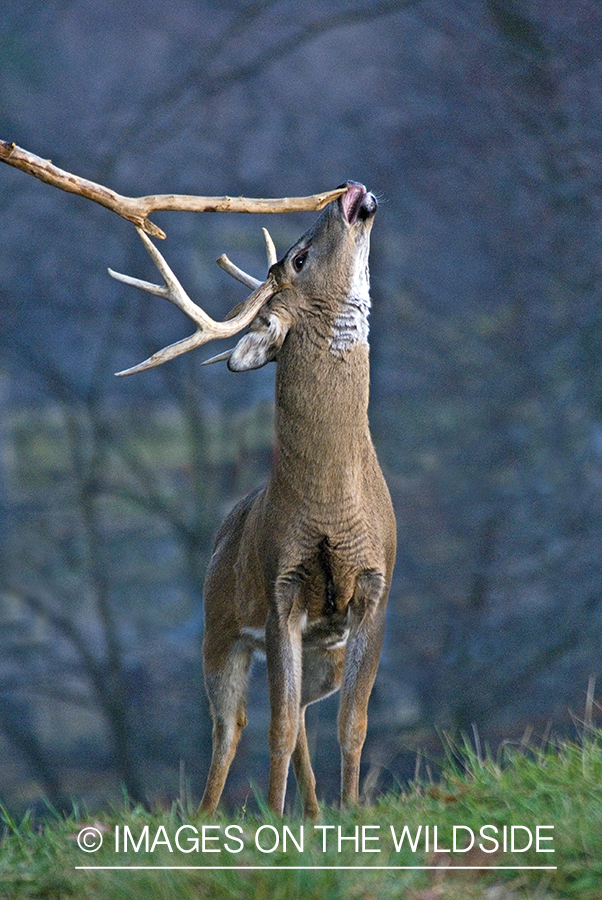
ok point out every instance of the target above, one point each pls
(305, 35)
(210, 79)
(136, 209)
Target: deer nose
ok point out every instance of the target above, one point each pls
(367, 207)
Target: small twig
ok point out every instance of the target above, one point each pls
(588, 719)
(183, 787)
(477, 743)
(137, 209)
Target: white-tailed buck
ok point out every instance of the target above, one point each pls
(301, 569)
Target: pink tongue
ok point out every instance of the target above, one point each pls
(351, 201)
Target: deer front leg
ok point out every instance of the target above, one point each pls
(283, 656)
(364, 647)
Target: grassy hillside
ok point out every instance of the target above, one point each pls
(513, 810)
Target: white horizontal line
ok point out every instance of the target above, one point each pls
(297, 868)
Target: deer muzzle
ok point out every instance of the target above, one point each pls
(357, 203)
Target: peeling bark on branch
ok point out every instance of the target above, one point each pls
(137, 209)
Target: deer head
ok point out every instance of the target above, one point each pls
(327, 266)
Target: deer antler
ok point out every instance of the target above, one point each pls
(207, 328)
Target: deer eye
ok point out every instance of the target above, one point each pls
(299, 260)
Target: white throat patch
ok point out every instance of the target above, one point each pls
(351, 325)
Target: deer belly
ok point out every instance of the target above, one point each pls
(326, 633)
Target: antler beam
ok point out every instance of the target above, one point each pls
(137, 209)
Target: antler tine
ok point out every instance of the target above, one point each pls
(172, 290)
(228, 266)
(207, 328)
(270, 248)
(221, 357)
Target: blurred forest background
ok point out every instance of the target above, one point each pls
(478, 123)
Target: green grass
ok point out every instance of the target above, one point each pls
(561, 786)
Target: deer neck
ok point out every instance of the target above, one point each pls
(322, 436)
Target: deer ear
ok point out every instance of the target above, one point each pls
(260, 345)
